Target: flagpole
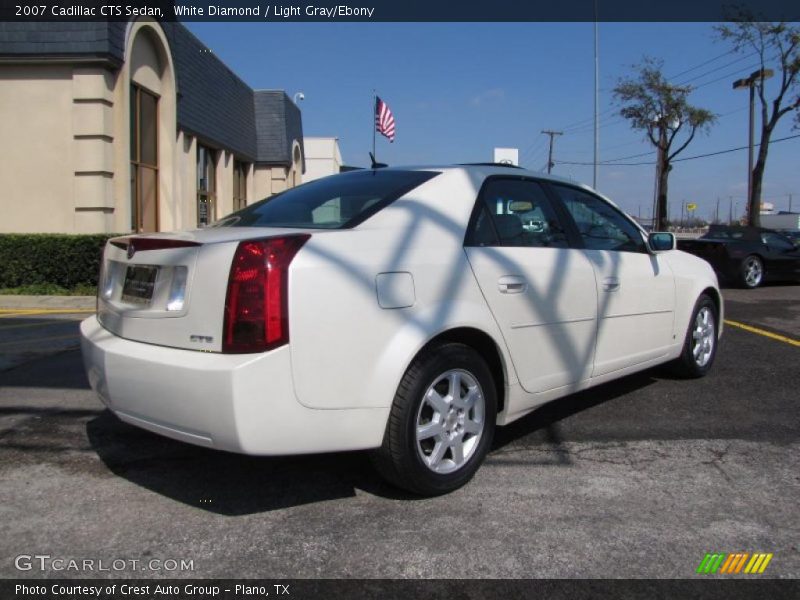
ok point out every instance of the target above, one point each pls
(374, 112)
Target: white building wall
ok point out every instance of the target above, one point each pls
(38, 149)
(323, 157)
(65, 139)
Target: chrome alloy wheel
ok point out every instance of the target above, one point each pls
(450, 421)
(753, 271)
(704, 336)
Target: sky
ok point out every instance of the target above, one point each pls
(458, 90)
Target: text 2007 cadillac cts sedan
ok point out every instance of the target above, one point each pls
(404, 310)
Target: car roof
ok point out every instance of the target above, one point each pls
(487, 169)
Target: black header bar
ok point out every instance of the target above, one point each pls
(737, 588)
(400, 10)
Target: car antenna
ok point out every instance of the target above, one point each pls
(376, 165)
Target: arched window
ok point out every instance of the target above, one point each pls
(297, 166)
(206, 186)
(144, 160)
(147, 67)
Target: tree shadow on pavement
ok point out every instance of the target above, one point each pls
(227, 483)
(232, 484)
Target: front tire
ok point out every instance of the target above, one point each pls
(751, 272)
(700, 344)
(442, 421)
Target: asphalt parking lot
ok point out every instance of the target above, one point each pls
(637, 478)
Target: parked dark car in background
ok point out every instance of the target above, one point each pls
(747, 256)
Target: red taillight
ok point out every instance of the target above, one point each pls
(256, 306)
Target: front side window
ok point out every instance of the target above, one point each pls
(206, 186)
(601, 225)
(336, 202)
(516, 212)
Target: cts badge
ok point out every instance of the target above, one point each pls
(203, 339)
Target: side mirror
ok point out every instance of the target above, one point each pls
(661, 241)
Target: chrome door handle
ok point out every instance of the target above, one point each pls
(511, 284)
(610, 284)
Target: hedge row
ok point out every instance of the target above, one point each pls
(56, 259)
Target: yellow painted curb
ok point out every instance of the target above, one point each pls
(15, 312)
(767, 334)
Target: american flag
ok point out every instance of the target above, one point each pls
(384, 120)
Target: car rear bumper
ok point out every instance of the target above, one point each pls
(237, 402)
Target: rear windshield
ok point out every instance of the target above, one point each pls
(336, 202)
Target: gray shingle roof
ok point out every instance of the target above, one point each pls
(86, 39)
(213, 102)
(278, 123)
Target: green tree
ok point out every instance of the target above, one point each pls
(661, 110)
(777, 46)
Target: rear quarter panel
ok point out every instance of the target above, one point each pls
(349, 352)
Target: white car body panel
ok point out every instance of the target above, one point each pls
(550, 327)
(363, 302)
(237, 402)
(635, 294)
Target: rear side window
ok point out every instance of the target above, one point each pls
(516, 212)
(337, 202)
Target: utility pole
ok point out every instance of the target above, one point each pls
(790, 203)
(716, 212)
(753, 207)
(596, 99)
(730, 210)
(552, 134)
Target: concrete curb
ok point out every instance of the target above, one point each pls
(47, 302)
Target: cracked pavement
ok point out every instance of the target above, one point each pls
(637, 478)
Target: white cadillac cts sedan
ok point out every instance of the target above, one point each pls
(404, 310)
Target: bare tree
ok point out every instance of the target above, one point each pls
(661, 109)
(777, 45)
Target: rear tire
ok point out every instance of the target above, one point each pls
(751, 272)
(700, 344)
(442, 421)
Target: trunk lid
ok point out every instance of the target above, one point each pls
(169, 289)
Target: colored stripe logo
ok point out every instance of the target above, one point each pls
(735, 563)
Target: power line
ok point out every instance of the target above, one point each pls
(587, 124)
(716, 70)
(614, 160)
(533, 148)
(783, 139)
(582, 122)
(696, 156)
(616, 121)
(703, 64)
